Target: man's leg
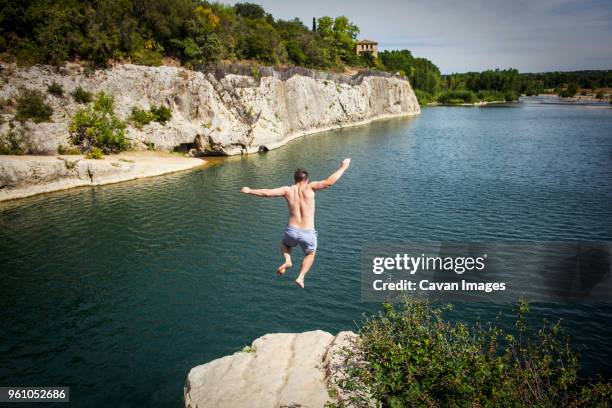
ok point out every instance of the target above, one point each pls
(286, 251)
(306, 264)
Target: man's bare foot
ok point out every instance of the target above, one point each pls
(281, 269)
(300, 282)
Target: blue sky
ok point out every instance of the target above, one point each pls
(459, 36)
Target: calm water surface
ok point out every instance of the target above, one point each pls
(117, 291)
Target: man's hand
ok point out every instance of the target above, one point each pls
(245, 190)
(346, 162)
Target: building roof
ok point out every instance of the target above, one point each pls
(366, 42)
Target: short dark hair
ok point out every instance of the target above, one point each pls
(300, 175)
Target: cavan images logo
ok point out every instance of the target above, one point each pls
(406, 263)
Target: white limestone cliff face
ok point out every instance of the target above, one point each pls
(281, 370)
(231, 115)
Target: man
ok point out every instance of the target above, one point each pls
(300, 228)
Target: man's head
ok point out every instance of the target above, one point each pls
(300, 175)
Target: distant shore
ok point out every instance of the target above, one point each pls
(479, 103)
(24, 176)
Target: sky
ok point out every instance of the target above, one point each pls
(461, 36)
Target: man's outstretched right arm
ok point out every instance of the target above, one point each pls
(265, 192)
(331, 180)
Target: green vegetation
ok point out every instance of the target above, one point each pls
(162, 114)
(599, 95)
(198, 32)
(488, 86)
(563, 80)
(97, 126)
(13, 142)
(95, 153)
(81, 96)
(411, 356)
(61, 149)
(422, 73)
(141, 117)
(569, 92)
(56, 89)
(193, 31)
(31, 105)
(457, 97)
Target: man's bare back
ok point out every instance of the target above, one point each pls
(301, 203)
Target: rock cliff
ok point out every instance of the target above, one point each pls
(278, 370)
(211, 114)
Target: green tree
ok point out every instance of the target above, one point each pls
(339, 36)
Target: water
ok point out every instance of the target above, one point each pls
(117, 291)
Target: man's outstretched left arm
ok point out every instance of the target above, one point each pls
(265, 192)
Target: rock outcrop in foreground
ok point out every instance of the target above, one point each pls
(211, 114)
(280, 370)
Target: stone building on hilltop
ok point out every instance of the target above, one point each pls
(367, 46)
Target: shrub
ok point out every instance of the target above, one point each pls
(457, 97)
(61, 149)
(56, 89)
(141, 117)
(31, 105)
(147, 57)
(569, 92)
(13, 142)
(255, 72)
(423, 97)
(81, 96)
(95, 153)
(162, 114)
(97, 126)
(599, 95)
(510, 96)
(490, 96)
(409, 355)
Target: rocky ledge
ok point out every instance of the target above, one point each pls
(278, 370)
(23, 176)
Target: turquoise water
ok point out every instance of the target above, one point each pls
(117, 291)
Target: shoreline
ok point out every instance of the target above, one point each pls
(37, 174)
(29, 175)
(476, 104)
(296, 135)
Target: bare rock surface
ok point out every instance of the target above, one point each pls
(23, 176)
(235, 114)
(279, 370)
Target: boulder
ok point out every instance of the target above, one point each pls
(278, 370)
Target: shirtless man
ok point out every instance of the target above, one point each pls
(300, 229)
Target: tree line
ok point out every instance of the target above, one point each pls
(192, 31)
(197, 32)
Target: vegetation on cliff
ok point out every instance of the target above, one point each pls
(409, 355)
(197, 32)
(95, 128)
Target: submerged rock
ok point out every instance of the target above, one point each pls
(278, 370)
